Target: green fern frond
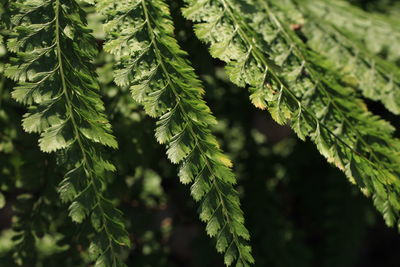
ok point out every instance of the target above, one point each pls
(299, 88)
(378, 79)
(24, 238)
(152, 64)
(378, 33)
(56, 81)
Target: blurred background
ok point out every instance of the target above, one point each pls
(301, 212)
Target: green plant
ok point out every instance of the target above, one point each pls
(310, 70)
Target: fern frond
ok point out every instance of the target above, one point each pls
(24, 238)
(378, 79)
(31, 218)
(299, 88)
(57, 82)
(378, 33)
(151, 62)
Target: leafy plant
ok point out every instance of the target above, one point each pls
(301, 60)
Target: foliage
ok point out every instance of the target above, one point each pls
(152, 64)
(298, 87)
(57, 83)
(304, 61)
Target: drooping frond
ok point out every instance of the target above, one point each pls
(25, 249)
(377, 33)
(152, 64)
(298, 87)
(56, 81)
(29, 224)
(378, 79)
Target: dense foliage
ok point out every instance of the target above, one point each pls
(98, 98)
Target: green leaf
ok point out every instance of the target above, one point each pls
(77, 212)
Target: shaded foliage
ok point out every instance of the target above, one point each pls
(298, 210)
